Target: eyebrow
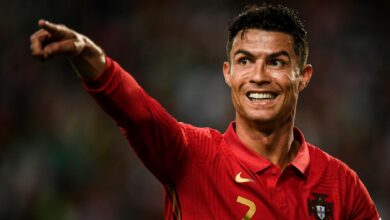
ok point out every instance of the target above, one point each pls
(245, 52)
(272, 55)
(280, 53)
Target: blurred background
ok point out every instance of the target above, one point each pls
(62, 158)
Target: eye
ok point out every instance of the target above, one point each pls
(277, 63)
(244, 61)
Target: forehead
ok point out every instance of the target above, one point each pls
(260, 41)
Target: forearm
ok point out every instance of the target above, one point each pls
(91, 62)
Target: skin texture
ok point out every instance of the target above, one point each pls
(265, 62)
(52, 39)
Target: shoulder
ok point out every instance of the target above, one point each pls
(203, 145)
(330, 163)
(330, 172)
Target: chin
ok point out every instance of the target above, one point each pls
(261, 118)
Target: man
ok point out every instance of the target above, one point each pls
(261, 167)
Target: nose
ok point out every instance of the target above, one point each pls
(260, 74)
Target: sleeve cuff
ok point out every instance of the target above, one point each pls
(98, 83)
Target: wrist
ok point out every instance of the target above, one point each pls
(90, 63)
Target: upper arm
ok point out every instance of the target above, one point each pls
(361, 204)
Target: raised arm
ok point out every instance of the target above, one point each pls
(159, 140)
(51, 39)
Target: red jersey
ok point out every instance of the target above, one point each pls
(209, 175)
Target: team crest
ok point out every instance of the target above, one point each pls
(321, 209)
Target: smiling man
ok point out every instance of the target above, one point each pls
(265, 77)
(261, 167)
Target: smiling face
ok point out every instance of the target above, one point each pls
(264, 77)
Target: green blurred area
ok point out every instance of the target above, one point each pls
(61, 157)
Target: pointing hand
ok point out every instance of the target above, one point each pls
(52, 39)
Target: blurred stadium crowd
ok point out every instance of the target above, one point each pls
(62, 158)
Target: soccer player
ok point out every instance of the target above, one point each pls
(261, 167)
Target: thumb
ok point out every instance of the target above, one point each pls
(69, 47)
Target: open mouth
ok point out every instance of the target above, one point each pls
(261, 96)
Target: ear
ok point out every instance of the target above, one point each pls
(226, 73)
(306, 73)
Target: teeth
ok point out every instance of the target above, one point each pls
(256, 95)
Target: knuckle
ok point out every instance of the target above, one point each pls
(79, 46)
(62, 27)
(34, 36)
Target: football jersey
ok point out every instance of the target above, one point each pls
(210, 175)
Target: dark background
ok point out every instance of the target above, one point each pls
(61, 157)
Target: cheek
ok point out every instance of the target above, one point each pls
(237, 80)
(242, 71)
(285, 75)
(289, 84)
(288, 81)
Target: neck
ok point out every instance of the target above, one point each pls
(275, 143)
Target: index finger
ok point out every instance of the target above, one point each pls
(57, 30)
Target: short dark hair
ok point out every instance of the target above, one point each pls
(271, 18)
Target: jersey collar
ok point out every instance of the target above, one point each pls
(256, 162)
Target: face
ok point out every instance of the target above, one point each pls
(264, 76)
